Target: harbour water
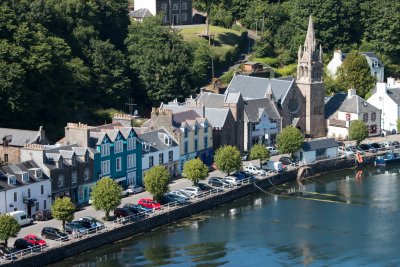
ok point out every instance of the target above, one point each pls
(347, 218)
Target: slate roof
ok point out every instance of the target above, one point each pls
(371, 55)
(319, 144)
(252, 108)
(20, 137)
(15, 169)
(232, 98)
(334, 103)
(252, 87)
(211, 100)
(217, 116)
(156, 144)
(140, 13)
(394, 94)
(180, 117)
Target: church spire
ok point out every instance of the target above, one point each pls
(310, 42)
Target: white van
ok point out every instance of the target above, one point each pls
(21, 217)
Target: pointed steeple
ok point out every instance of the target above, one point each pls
(309, 43)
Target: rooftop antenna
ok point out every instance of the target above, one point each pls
(130, 106)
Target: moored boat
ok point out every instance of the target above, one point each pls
(389, 158)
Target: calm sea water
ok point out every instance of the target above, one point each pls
(340, 219)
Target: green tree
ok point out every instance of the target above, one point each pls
(195, 170)
(398, 125)
(260, 152)
(156, 181)
(290, 140)
(9, 227)
(265, 45)
(206, 6)
(227, 159)
(106, 195)
(355, 73)
(63, 209)
(358, 131)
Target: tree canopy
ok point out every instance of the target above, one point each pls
(9, 227)
(358, 131)
(195, 170)
(227, 159)
(63, 209)
(260, 152)
(289, 140)
(106, 195)
(156, 181)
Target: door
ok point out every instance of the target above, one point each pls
(131, 178)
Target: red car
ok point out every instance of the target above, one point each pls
(149, 203)
(35, 240)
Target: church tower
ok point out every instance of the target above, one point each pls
(309, 81)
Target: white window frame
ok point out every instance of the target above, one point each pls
(74, 177)
(118, 146)
(105, 150)
(131, 143)
(184, 17)
(105, 167)
(118, 164)
(184, 6)
(60, 180)
(131, 161)
(86, 174)
(164, 7)
(175, 6)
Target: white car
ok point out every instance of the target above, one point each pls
(272, 150)
(254, 170)
(233, 180)
(180, 193)
(192, 191)
(346, 151)
(134, 189)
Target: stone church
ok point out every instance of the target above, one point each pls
(299, 100)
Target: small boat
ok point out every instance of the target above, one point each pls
(389, 158)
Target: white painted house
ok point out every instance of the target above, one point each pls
(386, 97)
(317, 149)
(341, 109)
(24, 187)
(159, 148)
(376, 66)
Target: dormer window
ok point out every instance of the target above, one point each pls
(11, 179)
(146, 146)
(186, 132)
(131, 143)
(376, 64)
(25, 177)
(205, 127)
(196, 130)
(118, 146)
(167, 140)
(105, 150)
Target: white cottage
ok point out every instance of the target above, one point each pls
(386, 97)
(341, 109)
(317, 149)
(24, 187)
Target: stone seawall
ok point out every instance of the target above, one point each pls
(105, 238)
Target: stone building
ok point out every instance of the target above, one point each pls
(11, 140)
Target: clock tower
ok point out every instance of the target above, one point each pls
(310, 83)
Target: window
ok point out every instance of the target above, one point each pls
(184, 17)
(175, 7)
(320, 152)
(165, 19)
(195, 145)
(118, 146)
(15, 197)
(151, 161)
(196, 130)
(39, 173)
(167, 140)
(60, 180)
(161, 158)
(29, 193)
(373, 116)
(205, 142)
(5, 158)
(44, 204)
(131, 143)
(105, 150)
(205, 128)
(118, 164)
(37, 206)
(372, 129)
(186, 147)
(105, 167)
(86, 174)
(253, 126)
(164, 7)
(73, 161)
(184, 6)
(74, 177)
(376, 64)
(131, 159)
(170, 155)
(42, 189)
(365, 117)
(186, 133)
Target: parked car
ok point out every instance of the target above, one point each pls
(180, 193)
(345, 151)
(90, 222)
(75, 227)
(255, 170)
(396, 144)
(272, 150)
(233, 180)
(287, 161)
(245, 156)
(136, 208)
(134, 189)
(54, 234)
(204, 187)
(170, 198)
(357, 149)
(377, 146)
(6, 254)
(43, 215)
(21, 217)
(238, 174)
(21, 244)
(123, 212)
(35, 240)
(247, 175)
(149, 203)
(218, 182)
(192, 191)
(368, 148)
